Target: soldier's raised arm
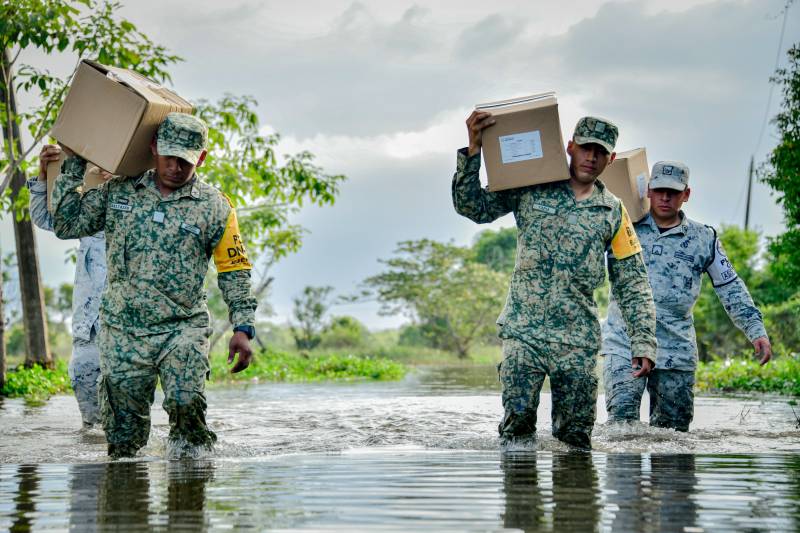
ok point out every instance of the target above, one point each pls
(736, 300)
(75, 214)
(631, 289)
(469, 198)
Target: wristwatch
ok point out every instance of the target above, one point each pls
(250, 331)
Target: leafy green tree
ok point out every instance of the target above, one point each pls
(309, 316)
(344, 332)
(782, 171)
(438, 285)
(497, 249)
(81, 29)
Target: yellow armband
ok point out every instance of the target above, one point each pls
(625, 242)
(229, 254)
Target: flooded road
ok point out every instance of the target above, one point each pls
(420, 454)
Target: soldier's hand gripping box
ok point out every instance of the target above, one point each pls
(524, 146)
(111, 114)
(628, 177)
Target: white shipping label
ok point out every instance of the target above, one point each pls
(641, 184)
(521, 147)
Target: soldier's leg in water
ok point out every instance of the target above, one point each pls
(183, 368)
(84, 371)
(671, 398)
(126, 389)
(623, 391)
(522, 374)
(573, 384)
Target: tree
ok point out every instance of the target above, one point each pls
(309, 313)
(58, 302)
(343, 332)
(243, 164)
(437, 284)
(81, 28)
(782, 171)
(497, 249)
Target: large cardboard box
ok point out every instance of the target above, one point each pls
(524, 146)
(628, 178)
(110, 115)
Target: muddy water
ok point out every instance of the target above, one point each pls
(420, 454)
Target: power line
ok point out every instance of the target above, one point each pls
(772, 85)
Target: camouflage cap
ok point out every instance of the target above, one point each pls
(182, 135)
(596, 130)
(669, 175)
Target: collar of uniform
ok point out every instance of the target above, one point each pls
(680, 229)
(600, 196)
(190, 189)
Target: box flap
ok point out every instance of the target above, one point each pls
(533, 101)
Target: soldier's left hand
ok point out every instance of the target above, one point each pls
(239, 344)
(763, 348)
(643, 364)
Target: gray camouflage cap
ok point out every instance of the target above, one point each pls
(182, 135)
(669, 175)
(596, 130)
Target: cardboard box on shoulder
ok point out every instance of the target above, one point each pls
(628, 177)
(524, 146)
(111, 114)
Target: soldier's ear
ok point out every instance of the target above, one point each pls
(154, 147)
(570, 148)
(612, 157)
(686, 193)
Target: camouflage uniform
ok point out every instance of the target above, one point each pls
(154, 313)
(90, 278)
(549, 324)
(676, 261)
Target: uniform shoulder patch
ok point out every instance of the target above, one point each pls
(625, 243)
(720, 270)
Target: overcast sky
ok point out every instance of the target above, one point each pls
(379, 91)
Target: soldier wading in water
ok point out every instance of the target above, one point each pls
(161, 229)
(549, 324)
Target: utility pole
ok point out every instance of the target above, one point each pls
(749, 191)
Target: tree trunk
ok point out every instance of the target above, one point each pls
(30, 283)
(2, 329)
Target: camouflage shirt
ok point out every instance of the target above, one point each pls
(676, 261)
(158, 249)
(90, 267)
(561, 259)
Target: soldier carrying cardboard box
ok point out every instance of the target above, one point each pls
(549, 324)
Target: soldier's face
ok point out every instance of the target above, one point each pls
(174, 172)
(587, 161)
(666, 203)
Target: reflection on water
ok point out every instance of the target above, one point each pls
(404, 489)
(420, 454)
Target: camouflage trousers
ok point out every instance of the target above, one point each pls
(573, 385)
(671, 394)
(130, 366)
(84, 371)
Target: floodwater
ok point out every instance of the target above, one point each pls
(419, 454)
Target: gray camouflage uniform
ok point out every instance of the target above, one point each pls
(90, 278)
(154, 313)
(676, 261)
(549, 324)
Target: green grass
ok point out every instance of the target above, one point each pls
(37, 384)
(779, 376)
(273, 365)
